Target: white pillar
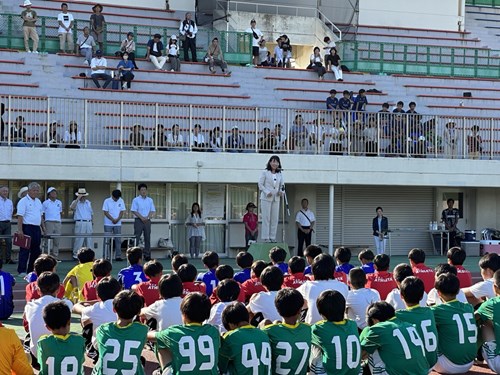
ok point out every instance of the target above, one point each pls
(330, 219)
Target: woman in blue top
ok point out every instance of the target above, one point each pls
(125, 68)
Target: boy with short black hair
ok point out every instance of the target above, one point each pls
(382, 280)
(456, 257)
(79, 275)
(420, 270)
(311, 252)
(263, 302)
(433, 297)
(227, 291)
(295, 277)
(134, 273)
(482, 290)
(211, 261)
(366, 257)
(401, 272)
(100, 269)
(343, 257)
(177, 261)
(195, 309)
(412, 291)
(277, 255)
(290, 338)
(7, 282)
(456, 326)
(123, 336)
(359, 297)
(225, 272)
(334, 335)
(44, 263)
(233, 355)
(149, 289)
(392, 345)
(244, 260)
(187, 273)
(360, 102)
(60, 352)
(254, 286)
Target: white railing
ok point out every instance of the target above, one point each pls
(127, 125)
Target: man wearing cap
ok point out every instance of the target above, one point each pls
(85, 45)
(235, 142)
(113, 209)
(188, 29)
(29, 27)
(257, 36)
(98, 66)
(6, 211)
(65, 32)
(83, 214)
(155, 52)
(29, 223)
(143, 208)
(52, 209)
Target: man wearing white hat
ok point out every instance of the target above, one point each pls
(29, 26)
(83, 214)
(52, 209)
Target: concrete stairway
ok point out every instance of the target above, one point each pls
(484, 22)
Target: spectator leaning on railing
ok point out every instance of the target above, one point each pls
(29, 17)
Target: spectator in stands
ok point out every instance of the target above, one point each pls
(18, 135)
(316, 63)
(450, 139)
(72, 136)
(298, 134)
(286, 47)
(370, 135)
(336, 67)
(257, 36)
(235, 142)
(333, 137)
(51, 138)
(29, 27)
(173, 54)
(85, 45)
(214, 57)
(128, 45)
(263, 53)
(99, 65)
(279, 138)
(278, 54)
(97, 25)
(474, 142)
(158, 139)
(197, 139)
(345, 103)
(266, 142)
(360, 101)
(188, 30)
(175, 140)
(155, 52)
(2, 128)
(215, 140)
(136, 139)
(330, 44)
(398, 130)
(125, 68)
(332, 101)
(65, 32)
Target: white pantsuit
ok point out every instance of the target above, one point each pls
(270, 186)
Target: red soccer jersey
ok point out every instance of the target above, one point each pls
(90, 289)
(193, 286)
(214, 299)
(32, 291)
(295, 280)
(464, 276)
(425, 274)
(149, 291)
(382, 282)
(251, 287)
(340, 276)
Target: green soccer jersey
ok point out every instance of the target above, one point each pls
(194, 348)
(490, 311)
(422, 319)
(399, 346)
(457, 331)
(340, 346)
(290, 347)
(61, 354)
(120, 349)
(245, 351)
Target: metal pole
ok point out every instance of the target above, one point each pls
(331, 218)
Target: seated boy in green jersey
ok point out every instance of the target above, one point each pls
(290, 340)
(392, 347)
(336, 348)
(120, 343)
(488, 316)
(412, 291)
(457, 330)
(193, 347)
(245, 350)
(61, 352)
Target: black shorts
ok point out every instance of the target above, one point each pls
(255, 51)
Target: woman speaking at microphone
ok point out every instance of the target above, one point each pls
(271, 190)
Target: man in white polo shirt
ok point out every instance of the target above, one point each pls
(144, 209)
(52, 209)
(113, 209)
(83, 214)
(29, 223)
(6, 210)
(305, 221)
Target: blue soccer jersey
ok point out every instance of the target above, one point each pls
(6, 296)
(210, 280)
(283, 267)
(346, 267)
(243, 275)
(368, 268)
(131, 275)
(308, 270)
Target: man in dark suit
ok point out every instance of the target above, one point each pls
(380, 226)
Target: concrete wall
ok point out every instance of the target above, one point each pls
(153, 4)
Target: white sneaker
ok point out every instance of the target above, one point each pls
(85, 62)
(28, 50)
(124, 86)
(35, 52)
(172, 70)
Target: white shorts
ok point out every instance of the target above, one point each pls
(377, 366)
(445, 366)
(490, 357)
